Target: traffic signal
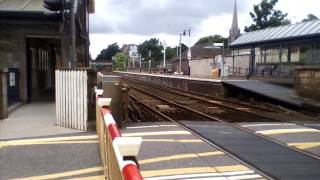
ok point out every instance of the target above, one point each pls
(53, 5)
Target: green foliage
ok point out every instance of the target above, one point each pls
(121, 61)
(183, 47)
(152, 45)
(265, 15)
(170, 52)
(106, 54)
(212, 39)
(310, 17)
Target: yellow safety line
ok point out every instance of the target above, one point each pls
(89, 178)
(6, 144)
(56, 139)
(180, 156)
(174, 140)
(159, 133)
(179, 171)
(63, 174)
(232, 168)
(304, 145)
(287, 131)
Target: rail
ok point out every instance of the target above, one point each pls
(115, 149)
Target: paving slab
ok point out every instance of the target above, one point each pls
(32, 120)
(31, 146)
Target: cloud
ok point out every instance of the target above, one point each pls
(148, 17)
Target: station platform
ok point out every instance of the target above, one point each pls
(170, 152)
(284, 95)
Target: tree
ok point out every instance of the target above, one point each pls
(212, 39)
(121, 61)
(265, 15)
(310, 17)
(152, 45)
(106, 54)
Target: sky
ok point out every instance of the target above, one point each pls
(134, 21)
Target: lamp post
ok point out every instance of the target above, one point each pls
(140, 62)
(184, 33)
(164, 55)
(179, 71)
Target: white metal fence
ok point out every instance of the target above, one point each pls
(71, 99)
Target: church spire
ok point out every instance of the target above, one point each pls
(234, 31)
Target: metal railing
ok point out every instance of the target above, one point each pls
(268, 73)
(114, 148)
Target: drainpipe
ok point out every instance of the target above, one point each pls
(73, 10)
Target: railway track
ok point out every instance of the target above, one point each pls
(185, 110)
(221, 107)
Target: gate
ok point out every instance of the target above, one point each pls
(71, 99)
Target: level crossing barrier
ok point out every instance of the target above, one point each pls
(114, 148)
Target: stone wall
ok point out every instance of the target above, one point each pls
(13, 46)
(307, 82)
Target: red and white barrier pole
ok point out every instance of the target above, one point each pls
(122, 146)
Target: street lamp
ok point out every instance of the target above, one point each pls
(184, 33)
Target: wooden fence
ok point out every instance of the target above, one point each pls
(71, 99)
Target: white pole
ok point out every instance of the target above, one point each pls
(180, 54)
(164, 54)
(140, 62)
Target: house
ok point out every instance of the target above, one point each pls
(202, 60)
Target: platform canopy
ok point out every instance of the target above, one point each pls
(285, 33)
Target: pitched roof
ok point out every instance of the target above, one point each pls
(22, 5)
(199, 51)
(302, 30)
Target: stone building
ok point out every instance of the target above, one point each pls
(35, 41)
(277, 51)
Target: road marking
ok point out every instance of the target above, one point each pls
(174, 140)
(159, 133)
(193, 170)
(304, 145)
(274, 124)
(180, 156)
(153, 126)
(55, 139)
(89, 178)
(212, 176)
(8, 143)
(287, 131)
(232, 168)
(63, 174)
(166, 172)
